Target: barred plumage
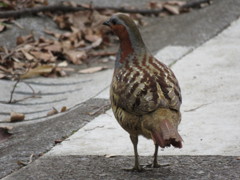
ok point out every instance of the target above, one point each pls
(145, 94)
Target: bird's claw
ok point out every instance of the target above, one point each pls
(136, 169)
(156, 165)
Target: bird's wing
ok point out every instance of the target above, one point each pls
(163, 88)
(169, 86)
(155, 87)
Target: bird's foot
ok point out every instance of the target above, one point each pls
(156, 165)
(136, 169)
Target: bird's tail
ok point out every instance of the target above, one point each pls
(167, 135)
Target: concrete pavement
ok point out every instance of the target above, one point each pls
(210, 125)
(211, 102)
(52, 92)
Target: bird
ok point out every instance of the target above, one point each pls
(144, 93)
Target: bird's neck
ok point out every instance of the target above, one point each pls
(130, 45)
(126, 50)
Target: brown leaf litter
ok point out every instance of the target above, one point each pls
(84, 37)
(16, 117)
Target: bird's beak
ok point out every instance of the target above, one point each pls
(106, 23)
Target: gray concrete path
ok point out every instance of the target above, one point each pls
(210, 112)
(50, 92)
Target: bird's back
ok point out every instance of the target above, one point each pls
(143, 84)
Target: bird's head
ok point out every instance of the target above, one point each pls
(125, 28)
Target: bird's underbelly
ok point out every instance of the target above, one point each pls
(129, 122)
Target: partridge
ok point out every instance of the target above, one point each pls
(145, 94)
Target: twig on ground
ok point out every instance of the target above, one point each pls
(33, 91)
(194, 109)
(18, 24)
(26, 163)
(12, 92)
(25, 98)
(65, 9)
(34, 94)
(195, 4)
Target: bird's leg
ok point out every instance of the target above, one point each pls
(155, 162)
(134, 140)
(136, 167)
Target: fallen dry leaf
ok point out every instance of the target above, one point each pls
(76, 57)
(40, 70)
(172, 9)
(63, 64)
(25, 39)
(177, 3)
(52, 112)
(156, 5)
(92, 70)
(4, 133)
(56, 35)
(2, 75)
(15, 117)
(63, 109)
(56, 47)
(27, 55)
(59, 71)
(110, 155)
(44, 56)
(58, 141)
(92, 37)
(17, 24)
(97, 42)
(2, 27)
(2, 68)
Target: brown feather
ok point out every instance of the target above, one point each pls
(145, 94)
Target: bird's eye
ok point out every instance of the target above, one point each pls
(114, 21)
